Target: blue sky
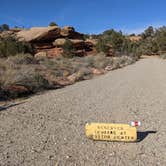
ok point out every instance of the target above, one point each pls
(87, 16)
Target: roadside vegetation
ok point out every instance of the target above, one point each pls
(152, 42)
(11, 47)
(22, 74)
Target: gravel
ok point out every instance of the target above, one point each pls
(48, 129)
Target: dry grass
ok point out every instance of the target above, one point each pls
(36, 75)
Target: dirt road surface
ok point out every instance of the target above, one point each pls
(48, 129)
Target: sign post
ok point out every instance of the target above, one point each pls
(111, 132)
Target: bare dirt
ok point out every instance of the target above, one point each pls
(48, 129)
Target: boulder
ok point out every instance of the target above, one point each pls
(109, 68)
(39, 34)
(70, 33)
(41, 46)
(72, 78)
(66, 31)
(82, 45)
(62, 82)
(77, 41)
(40, 54)
(89, 46)
(16, 91)
(92, 41)
(78, 44)
(51, 53)
(59, 42)
(54, 52)
(7, 34)
(97, 71)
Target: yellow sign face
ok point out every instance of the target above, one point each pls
(111, 132)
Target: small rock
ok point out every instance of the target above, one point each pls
(97, 71)
(72, 78)
(41, 55)
(109, 68)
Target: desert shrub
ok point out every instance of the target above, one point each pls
(53, 24)
(97, 61)
(26, 76)
(2, 65)
(101, 61)
(102, 46)
(83, 74)
(160, 37)
(163, 56)
(122, 61)
(4, 27)
(86, 36)
(10, 47)
(88, 61)
(23, 70)
(20, 59)
(68, 49)
(116, 39)
(57, 65)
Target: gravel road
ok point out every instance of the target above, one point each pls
(48, 129)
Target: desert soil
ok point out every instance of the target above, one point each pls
(48, 129)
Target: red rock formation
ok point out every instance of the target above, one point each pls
(54, 52)
(39, 34)
(51, 40)
(70, 33)
(16, 90)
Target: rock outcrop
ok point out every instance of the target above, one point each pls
(59, 42)
(51, 40)
(39, 34)
(69, 32)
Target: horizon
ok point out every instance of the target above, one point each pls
(129, 17)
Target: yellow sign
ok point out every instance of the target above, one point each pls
(111, 132)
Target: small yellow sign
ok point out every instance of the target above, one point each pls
(111, 132)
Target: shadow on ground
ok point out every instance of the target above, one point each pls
(4, 107)
(141, 135)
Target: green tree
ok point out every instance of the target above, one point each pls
(115, 38)
(102, 46)
(4, 27)
(149, 32)
(86, 36)
(161, 38)
(53, 24)
(68, 49)
(10, 47)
